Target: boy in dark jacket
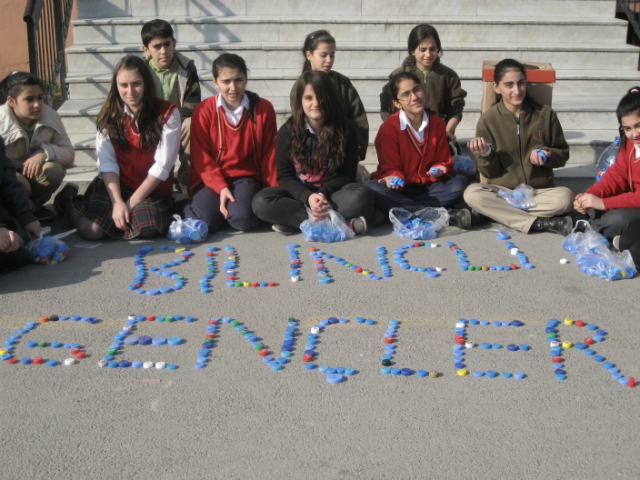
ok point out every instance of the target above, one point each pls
(14, 205)
(176, 80)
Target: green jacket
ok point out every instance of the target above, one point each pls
(441, 85)
(352, 105)
(508, 164)
(188, 85)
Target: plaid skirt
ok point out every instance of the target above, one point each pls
(154, 213)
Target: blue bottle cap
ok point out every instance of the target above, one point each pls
(558, 365)
(369, 322)
(359, 320)
(524, 347)
(613, 370)
(174, 341)
(559, 371)
(112, 364)
(512, 348)
(485, 346)
(32, 344)
(136, 364)
(131, 341)
(334, 378)
(309, 366)
(395, 371)
(491, 374)
(199, 365)
(204, 345)
(405, 372)
(589, 352)
(323, 369)
(478, 373)
(598, 358)
(496, 324)
(623, 381)
(52, 363)
(518, 375)
(616, 376)
(561, 376)
(124, 364)
(459, 365)
(496, 346)
(607, 364)
(171, 366)
(25, 361)
(484, 323)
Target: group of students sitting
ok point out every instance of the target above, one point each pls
(238, 169)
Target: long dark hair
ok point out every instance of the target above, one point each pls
(419, 34)
(629, 104)
(111, 117)
(502, 67)
(394, 84)
(311, 43)
(333, 137)
(15, 82)
(229, 60)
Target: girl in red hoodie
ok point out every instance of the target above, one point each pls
(232, 150)
(613, 204)
(414, 160)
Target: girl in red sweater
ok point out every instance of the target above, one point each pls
(613, 204)
(137, 144)
(232, 150)
(414, 160)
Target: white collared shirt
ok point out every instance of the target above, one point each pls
(233, 116)
(404, 122)
(308, 127)
(164, 158)
(637, 147)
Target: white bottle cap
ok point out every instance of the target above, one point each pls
(70, 361)
(160, 365)
(147, 365)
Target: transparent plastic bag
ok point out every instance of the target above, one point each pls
(594, 257)
(421, 225)
(463, 165)
(362, 175)
(187, 231)
(48, 250)
(328, 230)
(522, 197)
(607, 158)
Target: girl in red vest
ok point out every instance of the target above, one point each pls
(232, 150)
(137, 145)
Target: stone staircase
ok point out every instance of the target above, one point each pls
(580, 38)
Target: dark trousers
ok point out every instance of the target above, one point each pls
(412, 198)
(613, 222)
(275, 205)
(205, 205)
(630, 240)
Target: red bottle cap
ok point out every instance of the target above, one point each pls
(151, 318)
(13, 360)
(231, 277)
(255, 284)
(630, 383)
(388, 339)
(556, 359)
(80, 355)
(588, 341)
(74, 351)
(271, 284)
(579, 323)
(44, 318)
(37, 360)
(307, 358)
(263, 352)
(210, 335)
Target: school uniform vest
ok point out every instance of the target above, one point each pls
(135, 162)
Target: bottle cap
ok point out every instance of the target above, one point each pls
(478, 373)
(158, 341)
(334, 378)
(160, 365)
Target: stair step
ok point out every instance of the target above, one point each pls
(126, 30)
(328, 8)
(380, 55)
(369, 82)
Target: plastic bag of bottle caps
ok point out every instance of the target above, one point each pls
(522, 197)
(421, 225)
(463, 165)
(594, 257)
(187, 231)
(48, 250)
(328, 230)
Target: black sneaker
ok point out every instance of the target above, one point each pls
(44, 215)
(460, 217)
(381, 217)
(477, 218)
(560, 225)
(284, 230)
(358, 225)
(69, 191)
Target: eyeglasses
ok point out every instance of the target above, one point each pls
(417, 91)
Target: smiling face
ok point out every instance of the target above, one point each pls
(513, 88)
(426, 54)
(322, 57)
(631, 127)
(231, 83)
(311, 106)
(130, 88)
(410, 97)
(27, 106)
(161, 50)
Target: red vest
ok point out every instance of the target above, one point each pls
(135, 163)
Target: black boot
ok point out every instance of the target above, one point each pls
(560, 225)
(460, 217)
(477, 218)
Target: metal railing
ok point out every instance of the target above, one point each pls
(631, 9)
(47, 27)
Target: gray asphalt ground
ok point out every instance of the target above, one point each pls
(237, 419)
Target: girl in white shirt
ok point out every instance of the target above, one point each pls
(137, 145)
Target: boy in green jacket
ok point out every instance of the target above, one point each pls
(176, 80)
